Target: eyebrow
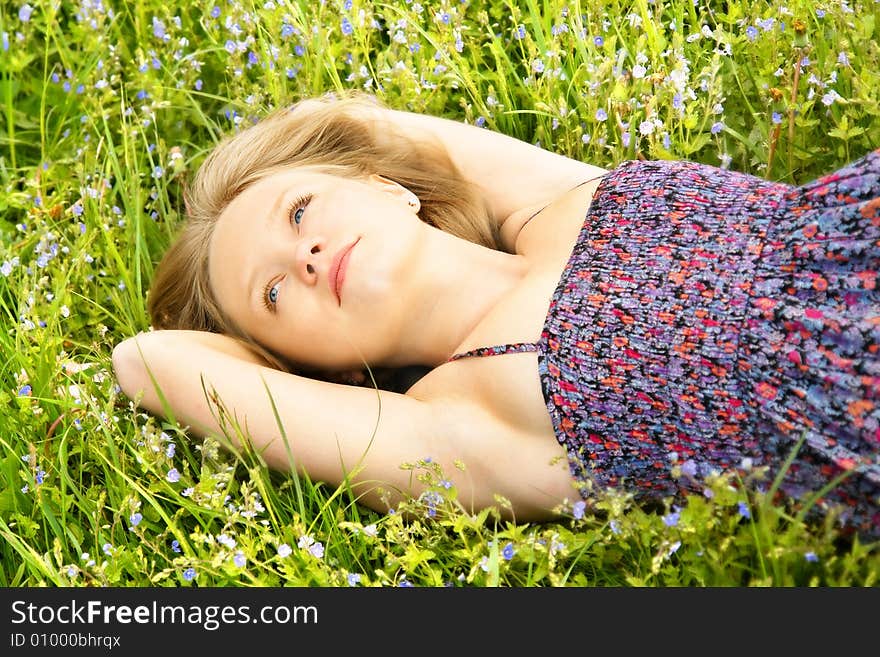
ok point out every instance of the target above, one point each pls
(253, 289)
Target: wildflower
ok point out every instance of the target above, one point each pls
(159, 30)
(315, 548)
(538, 65)
(671, 519)
(578, 508)
(25, 489)
(717, 127)
(284, 550)
(226, 540)
(71, 571)
(353, 579)
(751, 32)
(520, 32)
(6, 267)
(743, 509)
(175, 546)
(107, 549)
(484, 564)
(829, 98)
(347, 28)
(776, 118)
(370, 530)
(135, 519)
(186, 492)
(4, 41)
(599, 41)
(215, 12)
(239, 559)
(405, 583)
(39, 476)
(639, 71)
(615, 526)
(811, 557)
(508, 551)
(173, 475)
(24, 13)
(480, 122)
(230, 46)
(189, 574)
(601, 114)
(25, 391)
(842, 59)
(169, 452)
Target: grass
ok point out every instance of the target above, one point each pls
(106, 108)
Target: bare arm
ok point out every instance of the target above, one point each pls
(513, 175)
(332, 430)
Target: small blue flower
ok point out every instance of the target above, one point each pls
(347, 28)
(39, 476)
(175, 546)
(743, 509)
(811, 557)
(215, 12)
(24, 14)
(230, 46)
(751, 32)
(173, 476)
(599, 41)
(135, 519)
(286, 30)
(25, 391)
(198, 84)
(520, 32)
(578, 508)
(353, 579)
(284, 550)
(717, 127)
(107, 549)
(508, 551)
(776, 118)
(601, 114)
(189, 574)
(239, 559)
(671, 519)
(480, 122)
(615, 526)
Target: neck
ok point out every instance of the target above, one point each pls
(460, 283)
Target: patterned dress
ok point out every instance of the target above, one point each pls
(710, 321)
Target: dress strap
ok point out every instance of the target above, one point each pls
(497, 350)
(580, 184)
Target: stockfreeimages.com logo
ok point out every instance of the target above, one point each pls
(210, 617)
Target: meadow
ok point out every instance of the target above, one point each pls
(108, 107)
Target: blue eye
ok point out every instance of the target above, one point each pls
(298, 208)
(273, 294)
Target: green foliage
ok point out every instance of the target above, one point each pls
(107, 110)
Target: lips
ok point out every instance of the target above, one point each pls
(336, 275)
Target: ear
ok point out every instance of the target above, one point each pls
(395, 189)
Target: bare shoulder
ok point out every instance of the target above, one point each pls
(546, 228)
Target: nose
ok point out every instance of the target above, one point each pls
(310, 259)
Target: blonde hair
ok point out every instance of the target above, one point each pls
(340, 134)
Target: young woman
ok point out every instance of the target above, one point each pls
(560, 327)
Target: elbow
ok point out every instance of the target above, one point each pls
(128, 367)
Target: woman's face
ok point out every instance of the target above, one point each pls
(276, 247)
